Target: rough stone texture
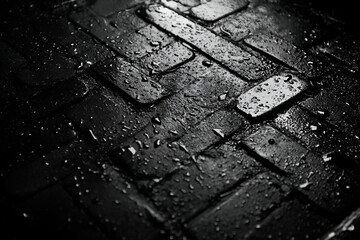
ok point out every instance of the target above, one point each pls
(239, 212)
(131, 81)
(270, 94)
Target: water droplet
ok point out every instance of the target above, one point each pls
(156, 120)
(207, 63)
(219, 132)
(327, 157)
(323, 113)
(93, 135)
(305, 184)
(157, 143)
(132, 150)
(222, 97)
(271, 141)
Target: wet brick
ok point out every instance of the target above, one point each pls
(343, 48)
(132, 46)
(287, 53)
(290, 21)
(293, 220)
(216, 9)
(57, 97)
(167, 58)
(332, 109)
(270, 94)
(180, 6)
(137, 44)
(50, 213)
(155, 36)
(63, 32)
(147, 165)
(329, 186)
(316, 134)
(51, 4)
(26, 40)
(103, 120)
(122, 23)
(127, 21)
(10, 59)
(193, 188)
(233, 57)
(23, 141)
(32, 177)
(97, 26)
(110, 7)
(237, 214)
(47, 70)
(107, 196)
(131, 81)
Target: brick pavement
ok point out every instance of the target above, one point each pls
(179, 119)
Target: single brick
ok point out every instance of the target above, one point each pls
(106, 8)
(26, 40)
(47, 70)
(57, 97)
(167, 58)
(192, 188)
(10, 59)
(51, 4)
(133, 45)
(97, 53)
(131, 81)
(149, 165)
(97, 26)
(329, 186)
(317, 135)
(270, 94)
(178, 6)
(293, 220)
(233, 57)
(126, 21)
(343, 48)
(287, 53)
(103, 120)
(116, 204)
(333, 109)
(155, 36)
(216, 9)
(51, 213)
(295, 23)
(64, 33)
(40, 173)
(240, 212)
(23, 141)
